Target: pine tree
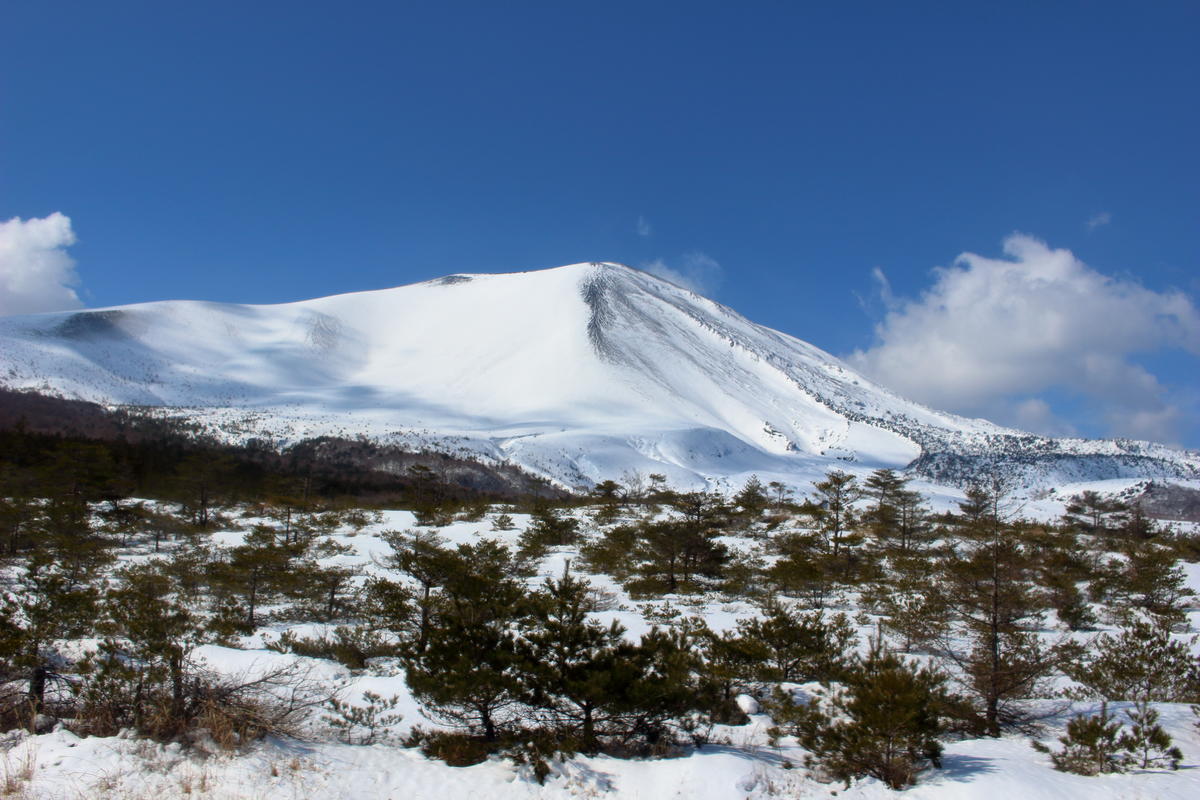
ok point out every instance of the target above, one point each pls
(805, 569)
(45, 603)
(671, 554)
(896, 517)
(1091, 746)
(798, 647)
(781, 495)
(18, 509)
(53, 593)
(833, 514)
(422, 556)
(987, 587)
(883, 722)
(611, 552)
(610, 495)
(1091, 513)
(911, 607)
(1141, 665)
(666, 691)
(155, 630)
(326, 589)
(881, 517)
(202, 477)
(731, 662)
(66, 538)
(1063, 564)
(366, 722)
(1148, 579)
(1137, 526)
(574, 668)
(254, 573)
(903, 590)
(1148, 741)
(390, 606)
(468, 672)
(548, 528)
(752, 499)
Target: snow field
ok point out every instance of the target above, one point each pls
(740, 762)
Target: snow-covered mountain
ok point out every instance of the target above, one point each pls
(579, 373)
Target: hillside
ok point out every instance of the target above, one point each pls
(579, 373)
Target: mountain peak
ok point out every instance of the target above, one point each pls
(578, 373)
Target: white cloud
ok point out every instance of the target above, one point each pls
(883, 293)
(884, 287)
(696, 271)
(1157, 425)
(991, 334)
(643, 227)
(1035, 414)
(1098, 220)
(36, 274)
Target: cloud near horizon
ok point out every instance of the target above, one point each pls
(696, 271)
(991, 336)
(36, 274)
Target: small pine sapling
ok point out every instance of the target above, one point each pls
(883, 722)
(1091, 746)
(1147, 742)
(1141, 665)
(365, 723)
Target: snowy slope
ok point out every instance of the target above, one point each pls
(578, 373)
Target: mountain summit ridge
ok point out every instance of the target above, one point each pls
(578, 373)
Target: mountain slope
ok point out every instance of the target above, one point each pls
(578, 373)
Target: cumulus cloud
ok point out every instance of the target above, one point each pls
(643, 227)
(990, 335)
(695, 271)
(1098, 220)
(36, 274)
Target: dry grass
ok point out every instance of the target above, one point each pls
(15, 774)
(194, 785)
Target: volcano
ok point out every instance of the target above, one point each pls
(578, 374)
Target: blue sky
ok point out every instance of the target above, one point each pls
(807, 164)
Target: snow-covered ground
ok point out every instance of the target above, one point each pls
(61, 765)
(739, 762)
